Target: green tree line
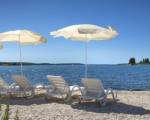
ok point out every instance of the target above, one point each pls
(132, 61)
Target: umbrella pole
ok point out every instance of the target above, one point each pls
(86, 69)
(20, 50)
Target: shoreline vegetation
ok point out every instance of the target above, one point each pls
(144, 61)
(132, 61)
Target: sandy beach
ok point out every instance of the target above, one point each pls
(131, 105)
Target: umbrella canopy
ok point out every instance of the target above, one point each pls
(85, 33)
(24, 37)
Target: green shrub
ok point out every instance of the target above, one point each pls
(6, 114)
(0, 107)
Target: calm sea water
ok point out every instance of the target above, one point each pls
(112, 76)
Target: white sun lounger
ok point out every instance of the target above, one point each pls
(94, 90)
(60, 89)
(25, 88)
(4, 87)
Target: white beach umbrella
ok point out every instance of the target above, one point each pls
(85, 33)
(24, 37)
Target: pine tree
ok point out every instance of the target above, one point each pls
(132, 61)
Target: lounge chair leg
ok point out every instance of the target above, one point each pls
(46, 98)
(113, 96)
(98, 102)
(80, 101)
(68, 100)
(103, 102)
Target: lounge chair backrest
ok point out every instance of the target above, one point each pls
(93, 86)
(59, 83)
(22, 81)
(3, 84)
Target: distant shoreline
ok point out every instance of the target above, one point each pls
(29, 63)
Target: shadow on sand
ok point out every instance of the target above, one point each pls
(112, 108)
(38, 100)
(24, 101)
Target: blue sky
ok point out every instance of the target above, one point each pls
(131, 18)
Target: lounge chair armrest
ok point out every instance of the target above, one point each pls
(111, 91)
(50, 89)
(108, 91)
(79, 88)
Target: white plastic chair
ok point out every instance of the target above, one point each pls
(25, 88)
(94, 90)
(60, 89)
(4, 87)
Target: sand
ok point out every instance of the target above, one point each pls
(132, 105)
